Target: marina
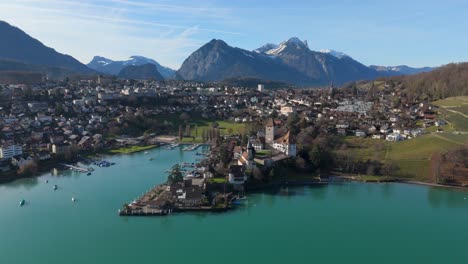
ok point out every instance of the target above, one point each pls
(78, 168)
(191, 147)
(172, 146)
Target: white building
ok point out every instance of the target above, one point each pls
(261, 87)
(287, 110)
(237, 174)
(7, 152)
(286, 145)
(394, 137)
(256, 144)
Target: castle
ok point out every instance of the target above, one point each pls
(285, 144)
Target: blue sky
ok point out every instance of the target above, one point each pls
(416, 33)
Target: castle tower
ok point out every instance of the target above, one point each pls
(270, 132)
(250, 156)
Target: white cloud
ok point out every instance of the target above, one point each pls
(85, 29)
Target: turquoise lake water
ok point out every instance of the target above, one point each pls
(339, 223)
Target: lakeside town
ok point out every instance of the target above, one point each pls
(57, 120)
(258, 137)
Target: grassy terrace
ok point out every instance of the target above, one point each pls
(411, 156)
(217, 180)
(197, 125)
(130, 149)
(225, 128)
(455, 111)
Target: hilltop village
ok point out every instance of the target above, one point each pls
(42, 124)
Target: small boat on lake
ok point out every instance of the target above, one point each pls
(151, 158)
(55, 187)
(89, 174)
(22, 202)
(146, 152)
(73, 199)
(240, 200)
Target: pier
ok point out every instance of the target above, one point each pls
(78, 168)
(191, 147)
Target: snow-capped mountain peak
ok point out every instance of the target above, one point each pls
(266, 47)
(101, 60)
(139, 60)
(297, 42)
(293, 42)
(334, 53)
(108, 66)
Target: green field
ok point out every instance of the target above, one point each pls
(197, 125)
(217, 180)
(224, 127)
(452, 101)
(455, 111)
(130, 149)
(411, 156)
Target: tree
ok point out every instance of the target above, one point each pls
(181, 134)
(245, 139)
(175, 175)
(184, 117)
(28, 169)
(225, 155)
(390, 168)
(435, 166)
(204, 136)
(257, 174)
(320, 157)
(300, 162)
(274, 114)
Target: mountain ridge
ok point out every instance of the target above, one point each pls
(108, 66)
(17, 45)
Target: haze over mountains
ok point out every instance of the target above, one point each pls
(108, 66)
(291, 61)
(146, 71)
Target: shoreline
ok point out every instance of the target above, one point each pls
(400, 180)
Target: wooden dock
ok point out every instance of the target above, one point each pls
(77, 168)
(164, 212)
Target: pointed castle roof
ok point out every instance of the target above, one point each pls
(270, 122)
(286, 139)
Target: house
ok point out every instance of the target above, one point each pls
(4, 165)
(237, 174)
(257, 144)
(9, 151)
(193, 195)
(360, 133)
(286, 145)
(378, 136)
(440, 123)
(394, 137)
(287, 110)
(85, 142)
(341, 131)
(61, 149)
(21, 162)
(43, 155)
